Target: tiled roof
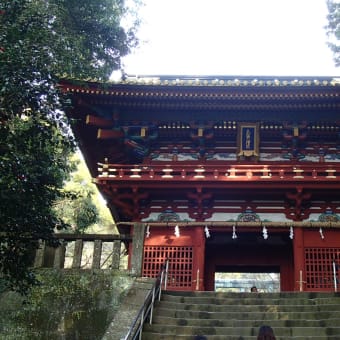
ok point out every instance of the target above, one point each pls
(238, 81)
(229, 81)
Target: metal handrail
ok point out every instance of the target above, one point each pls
(136, 328)
(335, 279)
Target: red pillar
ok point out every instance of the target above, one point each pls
(299, 262)
(199, 258)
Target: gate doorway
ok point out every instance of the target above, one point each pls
(229, 280)
(249, 253)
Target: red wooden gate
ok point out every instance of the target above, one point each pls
(180, 274)
(319, 268)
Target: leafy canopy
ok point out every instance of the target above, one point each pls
(39, 41)
(333, 28)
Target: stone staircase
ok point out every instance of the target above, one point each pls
(238, 316)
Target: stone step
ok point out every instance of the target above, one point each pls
(258, 300)
(278, 295)
(253, 315)
(157, 336)
(181, 315)
(161, 320)
(213, 308)
(243, 331)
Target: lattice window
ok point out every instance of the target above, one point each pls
(180, 264)
(319, 267)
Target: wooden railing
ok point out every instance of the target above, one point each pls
(72, 248)
(207, 172)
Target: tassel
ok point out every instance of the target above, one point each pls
(177, 232)
(234, 237)
(265, 232)
(321, 233)
(147, 231)
(291, 232)
(207, 233)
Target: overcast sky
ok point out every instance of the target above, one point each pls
(233, 37)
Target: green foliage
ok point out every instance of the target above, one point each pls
(77, 207)
(83, 177)
(333, 28)
(81, 208)
(70, 305)
(40, 40)
(79, 213)
(80, 38)
(32, 170)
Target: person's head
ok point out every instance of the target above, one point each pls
(253, 289)
(266, 333)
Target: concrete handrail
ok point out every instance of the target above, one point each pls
(146, 310)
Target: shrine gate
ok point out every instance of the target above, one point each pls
(228, 174)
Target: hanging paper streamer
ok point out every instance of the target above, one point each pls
(234, 233)
(291, 232)
(207, 232)
(177, 232)
(265, 232)
(321, 234)
(147, 231)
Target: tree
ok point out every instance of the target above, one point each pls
(39, 41)
(81, 207)
(77, 207)
(333, 28)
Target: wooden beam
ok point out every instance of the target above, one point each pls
(222, 224)
(98, 121)
(109, 134)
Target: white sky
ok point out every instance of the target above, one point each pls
(233, 37)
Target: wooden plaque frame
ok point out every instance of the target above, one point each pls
(248, 140)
